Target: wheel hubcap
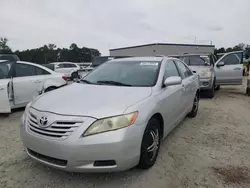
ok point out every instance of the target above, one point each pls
(152, 149)
(196, 103)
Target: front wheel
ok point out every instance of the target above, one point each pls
(211, 92)
(150, 144)
(74, 75)
(248, 91)
(194, 111)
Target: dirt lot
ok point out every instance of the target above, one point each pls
(210, 150)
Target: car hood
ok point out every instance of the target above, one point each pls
(199, 69)
(96, 101)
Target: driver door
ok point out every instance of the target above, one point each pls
(231, 73)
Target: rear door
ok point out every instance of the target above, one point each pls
(172, 99)
(232, 71)
(188, 86)
(27, 83)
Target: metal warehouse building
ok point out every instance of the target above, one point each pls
(161, 49)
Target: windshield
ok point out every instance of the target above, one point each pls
(196, 60)
(122, 73)
(5, 69)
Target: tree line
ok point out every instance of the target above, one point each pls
(50, 53)
(239, 47)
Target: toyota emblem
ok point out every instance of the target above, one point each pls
(43, 121)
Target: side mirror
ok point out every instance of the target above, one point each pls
(220, 64)
(173, 80)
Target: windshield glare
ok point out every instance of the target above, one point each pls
(130, 73)
(196, 60)
(5, 69)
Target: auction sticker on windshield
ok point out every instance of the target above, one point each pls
(150, 63)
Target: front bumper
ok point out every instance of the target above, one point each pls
(79, 154)
(206, 83)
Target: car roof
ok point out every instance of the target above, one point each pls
(151, 58)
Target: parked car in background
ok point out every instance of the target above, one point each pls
(85, 64)
(203, 64)
(129, 106)
(84, 71)
(20, 82)
(10, 57)
(69, 69)
(227, 70)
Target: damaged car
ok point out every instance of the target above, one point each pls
(20, 82)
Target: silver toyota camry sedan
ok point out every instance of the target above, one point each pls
(113, 119)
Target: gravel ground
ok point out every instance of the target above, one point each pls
(210, 150)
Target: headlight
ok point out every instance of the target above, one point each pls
(111, 123)
(25, 114)
(206, 74)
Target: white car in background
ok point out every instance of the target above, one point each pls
(21, 82)
(69, 69)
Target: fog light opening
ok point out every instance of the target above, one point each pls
(105, 163)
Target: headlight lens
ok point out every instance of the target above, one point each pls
(206, 74)
(111, 123)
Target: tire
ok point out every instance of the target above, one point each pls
(151, 141)
(211, 92)
(74, 75)
(195, 107)
(248, 91)
(49, 89)
(217, 88)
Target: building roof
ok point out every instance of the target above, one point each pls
(167, 44)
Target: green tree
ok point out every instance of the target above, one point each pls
(4, 48)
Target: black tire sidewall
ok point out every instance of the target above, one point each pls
(144, 162)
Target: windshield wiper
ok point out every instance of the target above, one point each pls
(112, 83)
(86, 81)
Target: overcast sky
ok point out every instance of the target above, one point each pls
(105, 24)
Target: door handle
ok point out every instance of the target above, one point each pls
(1, 89)
(183, 87)
(37, 81)
(237, 68)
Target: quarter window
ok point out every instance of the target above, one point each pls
(40, 71)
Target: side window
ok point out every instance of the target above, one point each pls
(170, 70)
(72, 65)
(40, 71)
(60, 66)
(183, 69)
(233, 59)
(23, 70)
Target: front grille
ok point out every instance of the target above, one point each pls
(48, 159)
(57, 130)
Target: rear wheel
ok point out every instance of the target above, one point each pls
(194, 111)
(248, 91)
(74, 75)
(150, 144)
(217, 88)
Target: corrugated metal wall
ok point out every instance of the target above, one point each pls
(161, 50)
